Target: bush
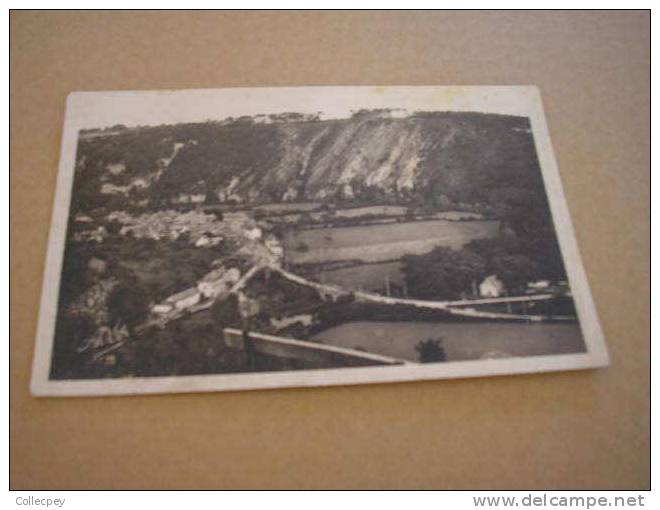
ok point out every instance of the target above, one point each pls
(128, 305)
(443, 273)
(431, 351)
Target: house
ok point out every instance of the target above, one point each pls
(208, 240)
(274, 246)
(347, 191)
(162, 308)
(539, 285)
(139, 183)
(181, 198)
(116, 168)
(82, 218)
(491, 287)
(98, 235)
(111, 189)
(212, 289)
(248, 307)
(303, 319)
(290, 195)
(232, 276)
(253, 233)
(121, 216)
(192, 198)
(203, 241)
(213, 283)
(97, 265)
(218, 281)
(184, 299)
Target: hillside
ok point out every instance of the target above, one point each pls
(438, 159)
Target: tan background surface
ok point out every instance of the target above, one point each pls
(586, 429)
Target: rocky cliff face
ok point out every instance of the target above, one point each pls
(460, 157)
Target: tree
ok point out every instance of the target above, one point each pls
(70, 333)
(113, 227)
(513, 270)
(128, 305)
(184, 238)
(443, 273)
(431, 351)
(226, 313)
(444, 203)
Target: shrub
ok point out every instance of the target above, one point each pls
(431, 351)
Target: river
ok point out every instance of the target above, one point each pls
(461, 341)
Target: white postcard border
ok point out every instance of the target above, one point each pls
(521, 100)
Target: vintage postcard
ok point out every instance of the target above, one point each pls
(248, 238)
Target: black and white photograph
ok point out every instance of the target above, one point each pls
(247, 238)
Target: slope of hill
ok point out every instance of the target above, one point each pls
(438, 158)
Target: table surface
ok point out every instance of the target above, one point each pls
(587, 429)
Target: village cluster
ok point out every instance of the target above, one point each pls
(203, 230)
(213, 285)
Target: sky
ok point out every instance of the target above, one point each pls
(134, 108)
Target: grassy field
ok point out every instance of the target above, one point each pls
(377, 210)
(374, 243)
(370, 277)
